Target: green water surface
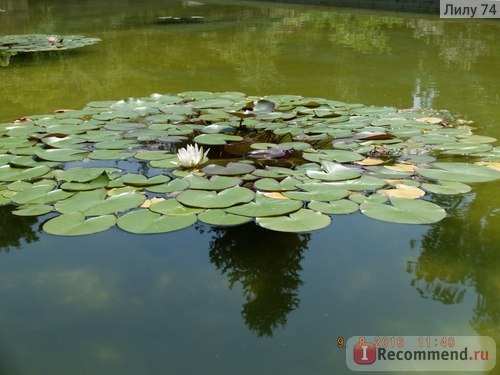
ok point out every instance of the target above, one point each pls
(244, 300)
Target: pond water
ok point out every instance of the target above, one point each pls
(244, 300)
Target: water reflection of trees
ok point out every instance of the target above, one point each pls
(15, 229)
(459, 254)
(267, 265)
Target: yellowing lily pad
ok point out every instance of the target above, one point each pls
(403, 191)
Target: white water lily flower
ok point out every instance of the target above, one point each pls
(191, 156)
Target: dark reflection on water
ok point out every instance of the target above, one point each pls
(267, 266)
(16, 230)
(458, 254)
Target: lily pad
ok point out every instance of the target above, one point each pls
(61, 154)
(75, 224)
(138, 180)
(212, 199)
(94, 202)
(214, 183)
(144, 221)
(83, 174)
(447, 187)
(33, 210)
(342, 206)
(269, 184)
(216, 139)
(173, 186)
(317, 192)
(404, 211)
(303, 220)
(220, 217)
(173, 207)
(263, 206)
(14, 174)
(459, 172)
(231, 169)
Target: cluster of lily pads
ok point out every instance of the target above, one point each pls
(287, 162)
(11, 45)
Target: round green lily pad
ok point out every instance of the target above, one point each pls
(263, 206)
(213, 199)
(342, 206)
(459, 172)
(404, 211)
(303, 220)
(75, 224)
(220, 217)
(144, 221)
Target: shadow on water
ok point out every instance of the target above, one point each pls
(267, 265)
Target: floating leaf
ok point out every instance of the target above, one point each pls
(231, 169)
(301, 221)
(144, 221)
(93, 203)
(83, 174)
(222, 218)
(342, 206)
(173, 207)
(8, 173)
(403, 191)
(61, 154)
(216, 139)
(214, 183)
(138, 180)
(75, 224)
(459, 172)
(173, 186)
(263, 206)
(212, 199)
(317, 192)
(33, 210)
(447, 187)
(269, 184)
(99, 182)
(404, 211)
